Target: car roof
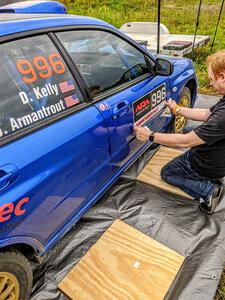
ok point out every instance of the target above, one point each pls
(12, 23)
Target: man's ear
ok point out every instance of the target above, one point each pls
(223, 76)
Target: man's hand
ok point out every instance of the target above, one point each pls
(171, 104)
(142, 134)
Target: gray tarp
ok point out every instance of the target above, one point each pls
(172, 220)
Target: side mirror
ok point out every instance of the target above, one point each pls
(163, 67)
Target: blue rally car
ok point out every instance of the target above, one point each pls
(71, 89)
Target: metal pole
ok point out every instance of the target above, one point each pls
(158, 28)
(196, 27)
(220, 13)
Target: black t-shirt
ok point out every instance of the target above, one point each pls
(209, 158)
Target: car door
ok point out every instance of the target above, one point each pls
(121, 80)
(54, 153)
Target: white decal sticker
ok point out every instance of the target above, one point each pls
(102, 107)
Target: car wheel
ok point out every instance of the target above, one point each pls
(16, 276)
(185, 101)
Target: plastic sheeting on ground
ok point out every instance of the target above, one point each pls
(170, 219)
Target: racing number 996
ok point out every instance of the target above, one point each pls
(40, 67)
(158, 95)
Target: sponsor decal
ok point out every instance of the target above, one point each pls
(102, 106)
(149, 115)
(149, 105)
(174, 89)
(144, 105)
(66, 86)
(71, 100)
(9, 210)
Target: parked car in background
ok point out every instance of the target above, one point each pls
(71, 89)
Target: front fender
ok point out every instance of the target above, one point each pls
(182, 79)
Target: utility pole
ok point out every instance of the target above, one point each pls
(196, 27)
(220, 13)
(158, 28)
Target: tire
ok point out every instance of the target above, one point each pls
(184, 101)
(17, 270)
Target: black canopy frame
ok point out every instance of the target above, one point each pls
(196, 26)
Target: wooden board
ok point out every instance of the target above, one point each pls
(151, 173)
(124, 264)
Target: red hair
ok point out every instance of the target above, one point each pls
(217, 62)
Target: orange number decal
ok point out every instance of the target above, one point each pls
(25, 68)
(41, 64)
(56, 63)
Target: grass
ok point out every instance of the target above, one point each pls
(220, 293)
(180, 17)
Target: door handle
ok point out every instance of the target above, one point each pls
(8, 174)
(121, 109)
(5, 180)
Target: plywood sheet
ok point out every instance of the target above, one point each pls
(151, 173)
(124, 264)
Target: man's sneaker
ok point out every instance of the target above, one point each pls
(210, 205)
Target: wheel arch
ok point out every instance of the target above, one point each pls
(192, 85)
(29, 247)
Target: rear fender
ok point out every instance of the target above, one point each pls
(35, 244)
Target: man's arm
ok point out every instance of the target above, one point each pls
(196, 114)
(177, 140)
(173, 140)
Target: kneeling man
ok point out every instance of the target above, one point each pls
(199, 170)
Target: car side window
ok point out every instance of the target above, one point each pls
(35, 85)
(104, 60)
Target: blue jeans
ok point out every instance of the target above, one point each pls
(179, 172)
